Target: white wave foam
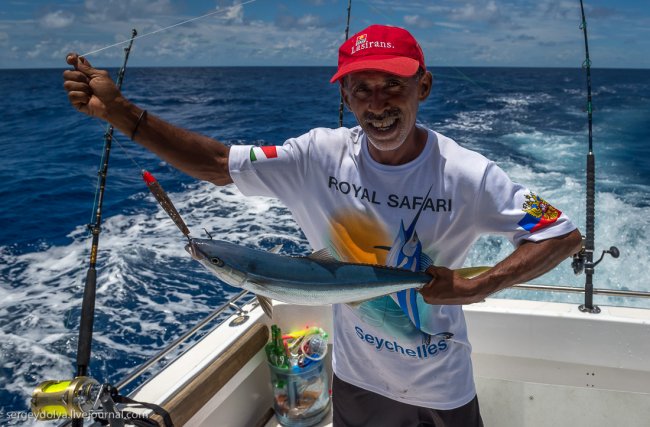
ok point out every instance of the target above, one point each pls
(148, 288)
(618, 223)
(475, 121)
(548, 150)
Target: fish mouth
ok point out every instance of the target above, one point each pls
(193, 249)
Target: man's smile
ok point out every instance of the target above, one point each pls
(384, 124)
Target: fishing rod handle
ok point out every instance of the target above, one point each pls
(86, 326)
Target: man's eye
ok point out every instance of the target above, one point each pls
(361, 91)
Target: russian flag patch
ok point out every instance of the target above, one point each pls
(538, 213)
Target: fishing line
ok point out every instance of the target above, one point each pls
(124, 149)
(169, 27)
(152, 184)
(157, 191)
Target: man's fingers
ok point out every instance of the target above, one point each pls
(74, 75)
(78, 87)
(81, 64)
(430, 271)
(71, 58)
(79, 99)
(84, 66)
(78, 62)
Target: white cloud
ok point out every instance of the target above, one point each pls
(234, 14)
(308, 21)
(37, 50)
(289, 22)
(4, 38)
(487, 11)
(417, 21)
(58, 19)
(124, 10)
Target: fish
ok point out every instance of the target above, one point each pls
(316, 279)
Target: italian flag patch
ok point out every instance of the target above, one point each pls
(263, 153)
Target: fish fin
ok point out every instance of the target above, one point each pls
(386, 248)
(323, 255)
(266, 305)
(470, 272)
(425, 261)
(276, 249)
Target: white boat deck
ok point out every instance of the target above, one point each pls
(535, 364)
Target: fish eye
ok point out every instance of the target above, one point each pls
(217, 261)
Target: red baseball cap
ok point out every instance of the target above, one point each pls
(382, 48)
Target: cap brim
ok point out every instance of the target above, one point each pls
(397, 65)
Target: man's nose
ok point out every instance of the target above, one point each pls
(378, 102)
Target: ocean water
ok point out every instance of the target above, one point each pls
(530, 121)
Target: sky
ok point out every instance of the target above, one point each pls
(521, 33)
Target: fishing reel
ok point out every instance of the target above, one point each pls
(580, 259)
(84, 397)
(77, 398)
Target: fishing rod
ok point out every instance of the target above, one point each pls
(584, 260)
(84, 396)
(347, 35)
(88, 305)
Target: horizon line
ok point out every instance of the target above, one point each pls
(330, 66)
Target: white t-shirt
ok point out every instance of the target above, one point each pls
(432, 208)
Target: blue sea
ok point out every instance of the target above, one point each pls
(532, 122)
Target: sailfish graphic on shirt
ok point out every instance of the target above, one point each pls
(406, 252)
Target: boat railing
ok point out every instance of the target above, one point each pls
(234, 304)
(242, 298)
(580, 290)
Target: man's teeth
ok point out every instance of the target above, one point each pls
(383, 124)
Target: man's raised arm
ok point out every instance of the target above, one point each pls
(93, 92)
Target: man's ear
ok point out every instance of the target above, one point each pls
(426, 82)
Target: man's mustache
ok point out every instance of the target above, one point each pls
(392, 113)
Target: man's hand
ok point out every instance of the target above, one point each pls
(89, 90)
(448, 287)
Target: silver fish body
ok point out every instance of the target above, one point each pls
(312, 280)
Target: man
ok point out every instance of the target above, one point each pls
(387, 191)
